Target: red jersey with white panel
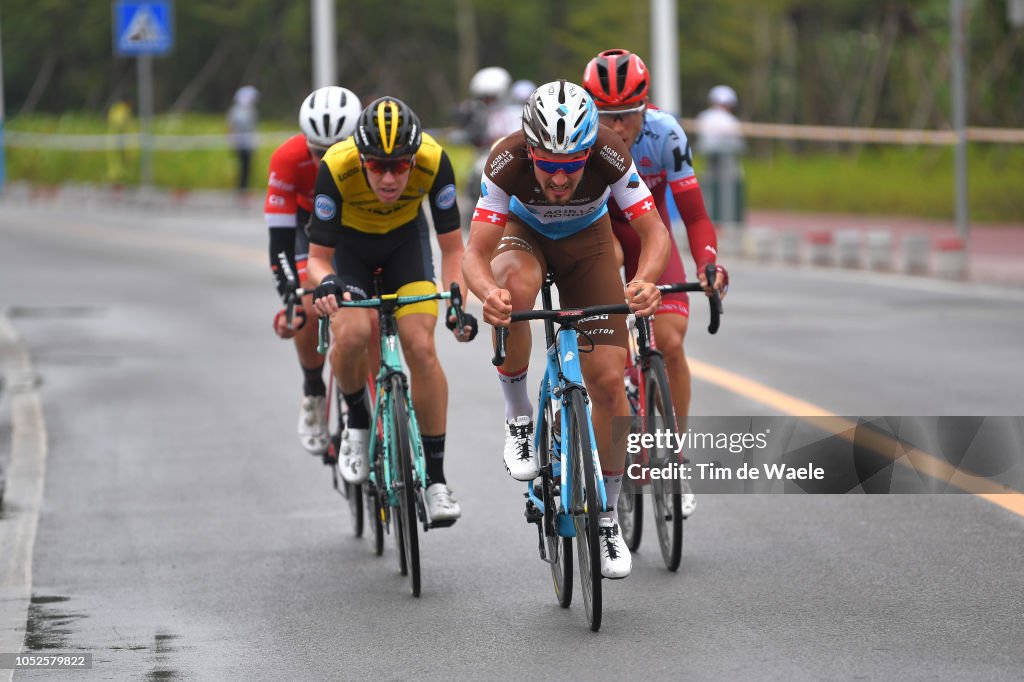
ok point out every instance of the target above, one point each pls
(289, 203)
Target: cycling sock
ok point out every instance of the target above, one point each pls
(516, 392)
(612, 486)
(433, 454)
(313, 381)
(358, 417)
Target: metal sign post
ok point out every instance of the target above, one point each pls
(143, 29)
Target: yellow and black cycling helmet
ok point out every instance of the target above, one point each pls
(388, 127)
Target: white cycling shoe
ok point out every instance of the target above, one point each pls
(688, 500)
(313, 424)
(520, 459)
(616, 561)
(443, 508)
(354, 456)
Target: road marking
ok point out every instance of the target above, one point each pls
(24, 494)
(920, 460)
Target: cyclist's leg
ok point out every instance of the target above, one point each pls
(519, 266)
(587, 275)
(671, 322)
(352, 330)
(409, 271)
(312, 428)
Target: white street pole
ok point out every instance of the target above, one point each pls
(144, 63)
(3, 149)
(665, 55)
(958, 27)
(325, 68)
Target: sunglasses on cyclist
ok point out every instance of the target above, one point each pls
(569, 166)
(620, 114)
(382, 166)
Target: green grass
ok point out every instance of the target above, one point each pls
(890, 181)
(911, 181)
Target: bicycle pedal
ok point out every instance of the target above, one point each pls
(533, 514)
(443, 523)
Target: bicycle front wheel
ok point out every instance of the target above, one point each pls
(585, 508)
(559, 549)
(668, 502)
(402, 453)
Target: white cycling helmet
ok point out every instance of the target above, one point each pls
(492, 81)
(521, 91)
(329, 115)
(561, 118)
(723, 96)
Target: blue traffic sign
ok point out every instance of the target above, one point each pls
(143, 27)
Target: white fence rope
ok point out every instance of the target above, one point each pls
(778, 131)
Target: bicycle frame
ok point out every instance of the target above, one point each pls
(563, 374)
(391, 366)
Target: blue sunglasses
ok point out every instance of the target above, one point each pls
(569, 166)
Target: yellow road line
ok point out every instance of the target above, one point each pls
(920, 460)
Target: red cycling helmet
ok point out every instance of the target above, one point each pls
(616, 78)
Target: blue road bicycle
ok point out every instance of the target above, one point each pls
(397, 482)
(568, 496)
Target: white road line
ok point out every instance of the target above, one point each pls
(24, 494)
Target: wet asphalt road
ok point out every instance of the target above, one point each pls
(185, 535)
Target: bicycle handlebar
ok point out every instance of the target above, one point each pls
(393, 300)
(575, 314)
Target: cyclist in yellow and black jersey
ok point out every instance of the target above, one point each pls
(368, 208)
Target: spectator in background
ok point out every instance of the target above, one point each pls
(119, 122)
(242, 120)
(480, 116)
(720, 142)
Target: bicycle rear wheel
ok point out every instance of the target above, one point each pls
(585, 508)
(559, 549)
(402, 450)
(668, 501)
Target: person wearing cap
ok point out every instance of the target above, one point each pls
(720, 141)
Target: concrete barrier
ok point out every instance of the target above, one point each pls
(950, 257)
(759, 243)
(729, 241)
(914, 255)
(848, 248)
(820, 248)
(789, 247)
(879, 250)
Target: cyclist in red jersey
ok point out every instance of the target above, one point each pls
(618, 81)
(328, 115)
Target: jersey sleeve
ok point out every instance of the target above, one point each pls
(632, 194)
(323, 224)
(677, 160)
(281, 203)
(682, 182)
(443, 206)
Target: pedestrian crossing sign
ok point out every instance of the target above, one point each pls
(143, 27)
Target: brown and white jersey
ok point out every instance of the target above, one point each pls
(510, 186)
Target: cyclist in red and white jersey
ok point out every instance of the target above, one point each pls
(328, 115)
(618, 81)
